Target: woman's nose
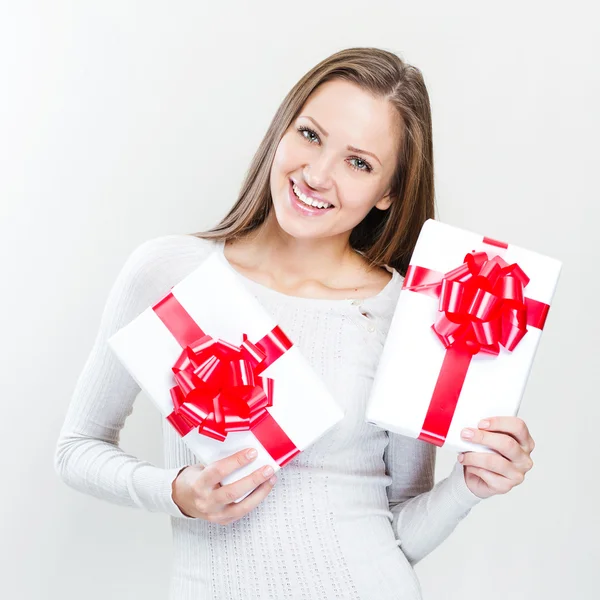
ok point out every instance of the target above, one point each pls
(318, 174)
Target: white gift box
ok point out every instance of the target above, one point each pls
(219, 303)
(402, 396)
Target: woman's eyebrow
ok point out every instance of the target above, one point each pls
(351, 148)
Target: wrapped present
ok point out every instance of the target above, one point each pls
(463, 336)
(223, 373)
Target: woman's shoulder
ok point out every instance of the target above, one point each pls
(395, 285)
(383, 304)
(385, 283)
(174, 245)
(376, 280)
(160, 262)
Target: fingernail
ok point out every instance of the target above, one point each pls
(461, 456)
(273, 480)
(268, 471)
(483, 424)
(251, 453)
(467, 433)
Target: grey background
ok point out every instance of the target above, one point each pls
(121, 121)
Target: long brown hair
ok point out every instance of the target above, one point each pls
(384, 237)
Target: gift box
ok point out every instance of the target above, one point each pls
(223, 373)
(463, 336)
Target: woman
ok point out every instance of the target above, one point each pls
(321, 234)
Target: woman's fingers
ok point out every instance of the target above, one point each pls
(495, 482)
(217, 471)
(233, 512)
(217, 503)
(501, 442)
(504, 469)
(231, 492)
(513, 427)
(494, 463)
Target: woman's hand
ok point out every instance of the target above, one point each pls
(198, 493)
(488, 474)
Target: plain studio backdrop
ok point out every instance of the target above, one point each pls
(122, 121)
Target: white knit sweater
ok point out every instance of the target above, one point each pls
(348, 517)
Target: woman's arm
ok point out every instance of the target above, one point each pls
(424, 515)
(88, 457)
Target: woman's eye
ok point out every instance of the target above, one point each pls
(310, 132)
(367, 167)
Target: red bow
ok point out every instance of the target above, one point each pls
(482, 305)
(219, 388)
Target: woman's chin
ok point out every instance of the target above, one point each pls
(298, 227)
(299, 231)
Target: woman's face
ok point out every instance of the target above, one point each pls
(314, 154)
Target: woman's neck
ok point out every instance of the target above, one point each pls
(272, 250)
(302, 267)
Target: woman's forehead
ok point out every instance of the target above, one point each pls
(352, 116)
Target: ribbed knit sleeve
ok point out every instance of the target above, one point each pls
(88, 457)
(424, 514)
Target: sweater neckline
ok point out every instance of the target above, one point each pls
(383, 293)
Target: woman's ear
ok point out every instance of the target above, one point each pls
(385, 202)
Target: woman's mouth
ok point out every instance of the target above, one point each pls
(306, 205)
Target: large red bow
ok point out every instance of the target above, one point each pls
(482, 304)
(219, 388)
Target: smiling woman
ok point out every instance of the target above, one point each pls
(321, 233)
(354, 132)
(324, 159)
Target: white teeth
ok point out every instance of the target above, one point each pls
(310, 201)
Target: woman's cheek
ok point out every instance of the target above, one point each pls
(289, 150)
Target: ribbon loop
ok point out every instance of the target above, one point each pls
(219, 388)
(482, 304)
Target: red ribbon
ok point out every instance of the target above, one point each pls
(482, 306)
(219, 387)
